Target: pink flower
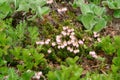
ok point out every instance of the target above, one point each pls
(69, 30)
(53, 44)
(72, 41)
(68, 48)
(72, 34)
(62, 46)
(98, 39)
(67, 33)
(58, 36)
(93, 54)
(49, 51)
(69, 42)
(71, 50)
(65, 43)
(65, 28)
(62, 10)
(72, 30)
(49, 1)
(63, 33)
(80, 42)
(37, 75)
(96, 34)
(72, 37)
(40, 42)
(58, 39)
(59, 47)
(76, 51)
(47, 41)
(75, 44)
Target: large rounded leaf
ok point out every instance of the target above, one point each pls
(101, 23)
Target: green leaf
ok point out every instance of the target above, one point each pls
(72, 61)
(24, 7)
(88, 21)
(98, 10)
(33, 34)
(116, 42)
(116, 13)
(45, 10)
(58, 75)
(116, 61)
(4, 70)
(77, 3)
(41, 2)
(118, 52)
(95, 1)
(4, 10)
(101, 23)
(27, 75)
(12, 74)
(85, 9)
(114, 68)
(20, 30)
(51, 76)
(111, 5)
(37, 7)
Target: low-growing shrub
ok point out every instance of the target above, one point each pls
(37, 8)
(92, 17)
(70, 72)
(114, 5)
(66, 44)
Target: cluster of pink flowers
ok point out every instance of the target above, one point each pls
(37, 75)
(43, 42)
(66, 39)
(96, 35)
(49, 1)
(62, 10)
(93, 54)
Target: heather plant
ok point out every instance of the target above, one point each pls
(12, 74)
(111, 46)
(107, 45)
(116, 60)
(14, 51)
(66, 42)
(96, 76)
(27, 58)
(33, 34)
